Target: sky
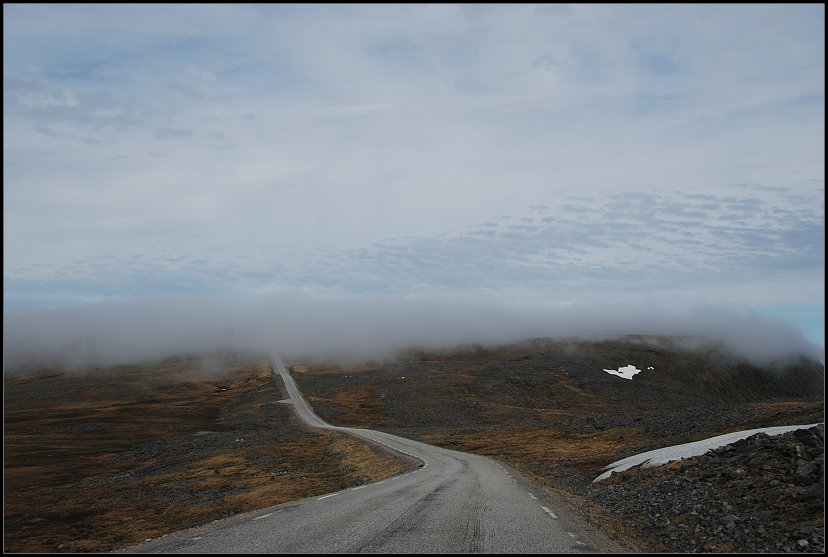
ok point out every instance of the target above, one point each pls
(425, 173)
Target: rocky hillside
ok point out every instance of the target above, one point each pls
(97, 460)
(698, 367)
(557, 389)
(551, 410)
(707, 370)
(756, 495)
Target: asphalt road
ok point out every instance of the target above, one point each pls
(455, 502)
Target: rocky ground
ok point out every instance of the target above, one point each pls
(761, 494)
(95, 462)
(555, 415)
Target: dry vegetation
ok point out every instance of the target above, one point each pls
(555, 415)
(548, 409)
(97, 461)
(100, 460)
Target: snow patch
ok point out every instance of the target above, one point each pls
(687, 450)
(625, 372)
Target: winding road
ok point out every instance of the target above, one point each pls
(454, 503)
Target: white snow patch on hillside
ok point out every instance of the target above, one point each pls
(625, 372)
(687, 450)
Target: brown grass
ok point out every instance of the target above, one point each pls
(357, 456)
(544, 447)
(358, 406)
(64, 492)
(492, 427)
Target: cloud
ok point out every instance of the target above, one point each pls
(48, 106)
(640, 244)
(548, 155)
(298, 326)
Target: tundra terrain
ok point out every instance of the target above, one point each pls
(549, 409)
(98, 460)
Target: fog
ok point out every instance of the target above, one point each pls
(302, 328)
(421, 175)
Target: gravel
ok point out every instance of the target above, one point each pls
(760, 494)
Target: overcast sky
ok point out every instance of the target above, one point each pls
(504, 158)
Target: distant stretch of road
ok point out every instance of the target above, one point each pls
(455, 502)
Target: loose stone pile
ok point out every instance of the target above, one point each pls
(760, 494)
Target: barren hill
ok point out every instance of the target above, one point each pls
(550, 405)
(549, 408)
(96, 460)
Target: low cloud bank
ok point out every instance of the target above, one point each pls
(298, 326)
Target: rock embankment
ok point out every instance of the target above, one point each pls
(760, 494)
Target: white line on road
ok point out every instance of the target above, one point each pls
(550, 513)
(326, 496)
(532, 496)
(263, 516)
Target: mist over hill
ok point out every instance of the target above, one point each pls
(691, 365)
(357, 329)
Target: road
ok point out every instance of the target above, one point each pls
(455, 502)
